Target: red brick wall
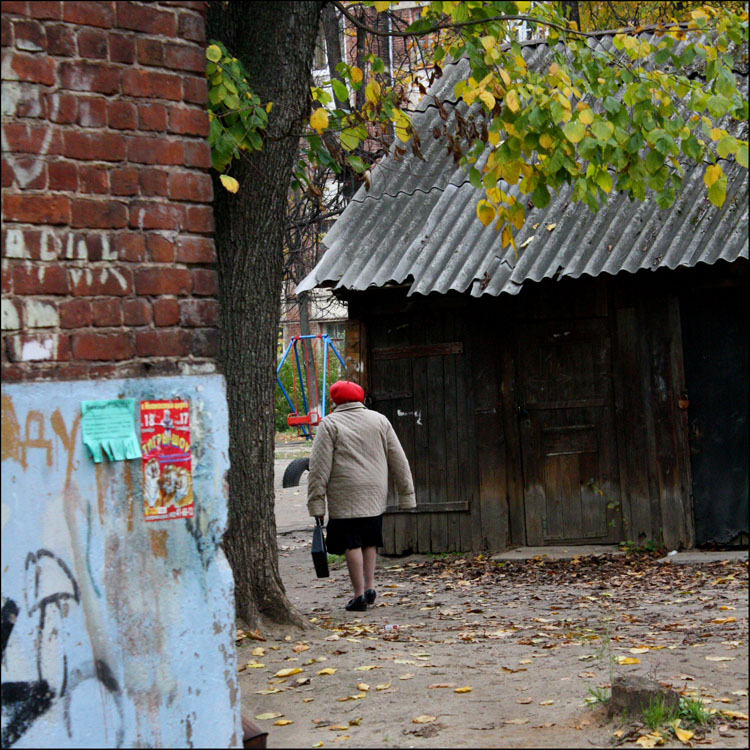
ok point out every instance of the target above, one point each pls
(107, 253)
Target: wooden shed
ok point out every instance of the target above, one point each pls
(592, 389)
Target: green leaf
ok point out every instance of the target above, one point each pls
(727, 145)
(691, 147)
(349, 139)
(475, 178)
(574, 131)
(340, 90)
(213, 53)
(717, 192)
(654, 160)
(602, 129)
(255, 140)
(356, 163)
(741, 155)
(604, 181)
(540, 196)
(665, 198)
(718, 105)
(231, 101)
(229, 84)
(216, 94)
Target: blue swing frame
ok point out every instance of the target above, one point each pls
(326, 339)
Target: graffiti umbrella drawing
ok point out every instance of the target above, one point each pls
(167, 465)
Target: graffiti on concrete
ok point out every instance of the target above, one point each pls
(50, 592)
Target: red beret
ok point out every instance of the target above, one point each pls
(343, 391)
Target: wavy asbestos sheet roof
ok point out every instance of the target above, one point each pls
(417, 224)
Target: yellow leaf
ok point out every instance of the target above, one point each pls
(282, 722)
(365, 669)
(300, 647)
(512, 100)
(713, 173)
(268, 109)
(505, 77)
(423, 719)
(363, 686)
(493, 137)
(488, 42)
(406, 676)
(254, 665)
(327, 670)
(719, 658)
(287, 672)
(341, 738)
(550, 227)
(372, 92)
(264, 717)
(213, 53)
(546, 703)
(545, 141)
(259, 651)
(716, 134)
(586, 116)
(338, 727)
(639, 650)
(485, 212)
(383, 685)
(318, 744)
(381, 6)
(355, 722)
(319, 120)
(723, 620)
(734, 714)
(627, 660)
(229, 183)
(356, 74)
(465, 689)
(487, 99)
(506, 238)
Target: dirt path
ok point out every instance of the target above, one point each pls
(529, 638)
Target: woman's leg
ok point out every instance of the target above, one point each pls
(354, 564)
(368, 564)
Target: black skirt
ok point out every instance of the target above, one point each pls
(349, 533)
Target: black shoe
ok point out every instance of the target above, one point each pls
(358, 604)
(370, 596)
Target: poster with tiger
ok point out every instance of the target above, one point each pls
(167, 464)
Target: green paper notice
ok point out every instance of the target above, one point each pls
(108, 429)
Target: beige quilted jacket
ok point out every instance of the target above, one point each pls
(354, 452)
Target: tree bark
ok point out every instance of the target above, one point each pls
(275, 41)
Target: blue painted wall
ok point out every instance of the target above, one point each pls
(116, 632)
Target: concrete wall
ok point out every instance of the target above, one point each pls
(119, 633)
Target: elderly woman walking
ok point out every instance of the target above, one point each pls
(354, 452)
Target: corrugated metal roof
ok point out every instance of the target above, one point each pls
(417, 223)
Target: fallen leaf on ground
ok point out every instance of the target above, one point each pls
(525, 661)
(550, 227)
(268, 691)
(287, 672)
(619, 733)
(355, 722)
(423, 719)
(263, 717)
(742, 692)
(546, 703)
(259, 651)
(515, 721)
(255, 635)
(441, 685)
(523, 701)
(327, 670)
(318, 744)
(339, 727)
(723, 620)
(404, 661)
(511, 670)
(341, 738)
(683, 735)
(366, 668)
(639, 650)
(587, 675)
(465, 689)
(627, 660)
(300, 647)
(406, 676)
(383, 685)
(734, 714)
(308, 700)
(254, 665)
(719, 658)
(363, 686)
(282, 722)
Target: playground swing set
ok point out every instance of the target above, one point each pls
(310, 415)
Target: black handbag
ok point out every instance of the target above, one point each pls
(319, 552)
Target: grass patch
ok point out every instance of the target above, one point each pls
(335, 559)
(597, 696)
(694, 711)
(657, 713)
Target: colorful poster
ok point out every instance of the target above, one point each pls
(167, 466)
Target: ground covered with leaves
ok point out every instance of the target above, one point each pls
(464, 651)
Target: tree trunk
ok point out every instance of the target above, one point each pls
(275, 41)
(570, 11)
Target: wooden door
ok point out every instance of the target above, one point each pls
(565, 412)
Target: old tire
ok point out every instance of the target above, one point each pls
(294, 471)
